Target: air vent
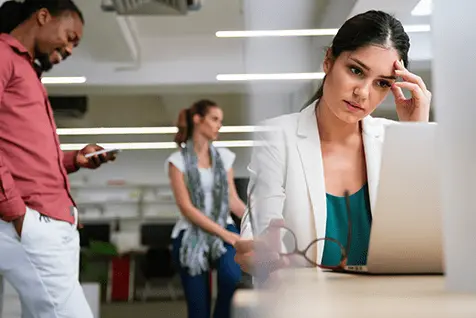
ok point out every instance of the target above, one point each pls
(151, 7)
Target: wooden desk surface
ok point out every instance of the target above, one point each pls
(309, 293)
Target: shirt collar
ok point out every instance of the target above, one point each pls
(15, 45)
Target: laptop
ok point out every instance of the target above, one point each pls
(406, 233)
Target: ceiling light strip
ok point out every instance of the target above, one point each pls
(275, 33)
(413, 28)
(158, 145)
(63, 80)
(270, 76)
(145, 130)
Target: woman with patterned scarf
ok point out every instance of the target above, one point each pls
(201, 177)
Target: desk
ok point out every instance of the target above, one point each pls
(108, 260)
(132, 269)
(307, 293)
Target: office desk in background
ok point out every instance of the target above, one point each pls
(307, 293)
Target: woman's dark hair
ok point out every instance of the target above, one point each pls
(13, 13)
(369, 28)
(185, 119)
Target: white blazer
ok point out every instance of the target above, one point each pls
(287, 174)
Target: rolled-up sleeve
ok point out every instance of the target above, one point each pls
(69, 161)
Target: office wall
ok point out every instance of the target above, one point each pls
(141, 166)
(146, 166)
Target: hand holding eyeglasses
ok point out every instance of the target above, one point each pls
(278, 248)
(263, 253)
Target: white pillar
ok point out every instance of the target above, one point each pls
(265, 105)
(454, 67)
(278, 55)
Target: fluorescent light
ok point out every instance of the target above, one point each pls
(116, 131)
(270, 76)
(424, 7)
(63, 80)
(235, 143)
(242, 129)
(125, 146)
(418, 28)
(158, 145)
(273, 33)
(145, 130)
(303, 32)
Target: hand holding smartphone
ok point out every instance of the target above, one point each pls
(93, 156)
(104, 151)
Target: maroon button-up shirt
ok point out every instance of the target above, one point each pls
(33, 169)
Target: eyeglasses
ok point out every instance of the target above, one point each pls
(335, 255)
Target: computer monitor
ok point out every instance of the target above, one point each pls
(94, 232)
(241, 185)
(156, 234)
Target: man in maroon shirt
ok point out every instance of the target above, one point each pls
(39, 242)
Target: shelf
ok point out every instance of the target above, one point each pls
(118, 186)
(125, 201)
(85, 218)
(106, 202)
(170, 217)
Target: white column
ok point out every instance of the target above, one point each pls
(454, 69)
(277, 54)
(265, 105)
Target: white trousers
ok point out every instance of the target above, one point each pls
(43, 266)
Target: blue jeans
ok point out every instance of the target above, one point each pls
(197, 288)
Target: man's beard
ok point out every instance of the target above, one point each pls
(44, 62)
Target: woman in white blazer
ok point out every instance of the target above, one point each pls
(308, 160)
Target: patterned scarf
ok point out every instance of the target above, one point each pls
(199, 246)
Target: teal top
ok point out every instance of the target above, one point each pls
(337, 227)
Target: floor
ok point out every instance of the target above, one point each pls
(165, 309)
(138, 309)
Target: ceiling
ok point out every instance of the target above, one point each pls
(154, 54)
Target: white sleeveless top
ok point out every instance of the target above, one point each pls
(206, 179)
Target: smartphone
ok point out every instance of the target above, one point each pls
(108, 151)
